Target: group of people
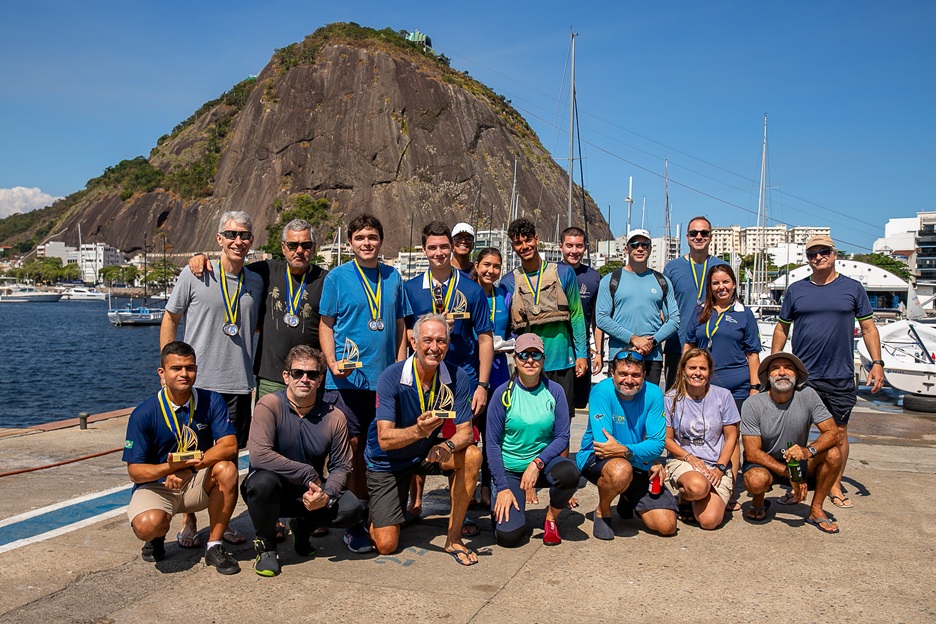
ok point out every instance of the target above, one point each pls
(366, 383)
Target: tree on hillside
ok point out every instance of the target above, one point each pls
(611, 266)
(315, 211)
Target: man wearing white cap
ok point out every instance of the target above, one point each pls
(823, 309)
(775, 428)
(636, 307)
(463, 241)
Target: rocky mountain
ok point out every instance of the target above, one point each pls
(363, 118)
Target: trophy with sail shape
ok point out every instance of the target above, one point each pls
(351, 359)
(444, 400)
(188, 446)
(459, 308)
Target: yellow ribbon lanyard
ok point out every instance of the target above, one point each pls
(700, 283)
(419, 391)
(493, 304)
(231, 306)
(292, 305)
(539, 281)
(709, 332)
(166, 409)
(373, 298)
(452, 287)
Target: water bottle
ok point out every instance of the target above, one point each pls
(797, 470)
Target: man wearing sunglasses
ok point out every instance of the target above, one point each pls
(822, 310)
(626, 432)
(688, 275)
(641, 312)
(292, 289)
(293, 438)
(463, 242)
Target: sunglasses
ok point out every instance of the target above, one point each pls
(437, 296)
(824, 252)
(639, 245)
(306, 245)
(696, 233)
(232, 234)
(629, 355)
(298, 373)
(523, 356)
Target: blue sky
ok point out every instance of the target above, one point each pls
(849, 88)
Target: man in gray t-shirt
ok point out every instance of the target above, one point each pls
(782, 416)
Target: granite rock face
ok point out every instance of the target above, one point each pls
(398, 135)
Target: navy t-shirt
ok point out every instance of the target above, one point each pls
(149, 440)
(689, 289)
(823, 320)
(733, 336)
(588, 280)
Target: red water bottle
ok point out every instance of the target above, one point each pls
(656, 484)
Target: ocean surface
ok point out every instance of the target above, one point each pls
(59, 359)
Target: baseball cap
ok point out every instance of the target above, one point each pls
(462, 228)
(529, 341)
(635, 233)
(820, 240)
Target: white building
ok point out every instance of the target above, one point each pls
(91, 258)
(787, 253)
(746, 241)
(55, 249)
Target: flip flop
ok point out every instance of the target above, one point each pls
(455, 554)
(757, 509)
(843, 501)
(733, 506)
(280, 532)
(819, 523)
(573, 503)
(787, 499)
(470, 528)
(233, 536)
(188, 541)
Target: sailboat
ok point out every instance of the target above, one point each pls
(908, 349)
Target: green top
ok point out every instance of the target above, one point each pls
(529, 426)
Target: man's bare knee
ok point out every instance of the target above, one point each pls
(757, 480)
(386, 539)
(151, 524)
(617, 475)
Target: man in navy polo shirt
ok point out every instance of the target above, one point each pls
(181, 418)
(404, 441)
(573, 248)
(822, 310)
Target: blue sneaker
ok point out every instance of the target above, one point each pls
(358, 539)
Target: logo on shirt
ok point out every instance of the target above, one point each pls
(201, 426)
(619, 418)
(728, 319)
(653, 290)
(128, 444)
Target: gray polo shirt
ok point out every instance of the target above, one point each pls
(778, 424)
(225, 363)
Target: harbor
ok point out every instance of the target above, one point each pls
(75, 559)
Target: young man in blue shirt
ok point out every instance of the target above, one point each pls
(180, 418)
(362, 301)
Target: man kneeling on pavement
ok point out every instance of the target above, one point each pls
(775, 430)
(291, 436)
(403, 440)
(181, 418)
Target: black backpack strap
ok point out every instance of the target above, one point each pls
(663, 285)
(613, 286)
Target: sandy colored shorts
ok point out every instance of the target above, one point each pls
(191, 498)
(676, 468)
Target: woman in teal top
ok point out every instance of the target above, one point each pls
(527, 431)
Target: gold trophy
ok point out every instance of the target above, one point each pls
(444, 401)
(459, 308)
(351, 359)
(188, 446)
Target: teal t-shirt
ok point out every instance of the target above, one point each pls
(529, 426)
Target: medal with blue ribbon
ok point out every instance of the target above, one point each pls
(291, 317)
(536, 292)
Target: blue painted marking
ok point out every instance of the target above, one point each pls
(76, 512)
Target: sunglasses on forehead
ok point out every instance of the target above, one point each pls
(292, 245)
(633, 356)
(232, 234)
(299, 373)
(699, 233)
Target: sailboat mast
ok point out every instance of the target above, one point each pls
(667, 221)
(760, 264)
(571, 126)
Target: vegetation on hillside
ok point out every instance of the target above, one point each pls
(315, 211)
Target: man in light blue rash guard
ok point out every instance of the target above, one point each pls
(823, 309)
(546, 301)
(626, 432)
(362, 303)
(404, 441)
(638, 318)
(687, 274)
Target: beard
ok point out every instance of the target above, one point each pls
(781, 384)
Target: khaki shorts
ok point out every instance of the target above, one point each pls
(191, 498)
(676, 468)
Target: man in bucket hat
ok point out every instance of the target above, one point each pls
(775, 429)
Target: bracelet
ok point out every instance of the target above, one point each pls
(686, 458)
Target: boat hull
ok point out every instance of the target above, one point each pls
(907, 364)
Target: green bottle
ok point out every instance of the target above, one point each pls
(797, 470)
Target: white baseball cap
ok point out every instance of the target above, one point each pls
(462, 228)
(635, 233)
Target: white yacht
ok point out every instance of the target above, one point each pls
(80, 293)
(12, 291)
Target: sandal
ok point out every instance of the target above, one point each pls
(787, 499)
(470, 528)
(823, 524)
(280, 532)
(758, 513)
(188, 541)
(233, 536)
(842, 502)
(457, 556)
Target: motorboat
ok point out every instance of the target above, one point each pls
(14, 292)
(81, 293)
(908, 349)
(136, 316)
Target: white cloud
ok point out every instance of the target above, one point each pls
(21, 199)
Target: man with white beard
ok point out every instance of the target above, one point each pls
(775, 429)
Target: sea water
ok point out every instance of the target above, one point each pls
(59, 359)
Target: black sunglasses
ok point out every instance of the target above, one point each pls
(639, 245)
(292, 245)
(824, 252)
(298, 373)
(702, 233)
(437, 296)
(232, 234)
(523, 356)
(629, 355)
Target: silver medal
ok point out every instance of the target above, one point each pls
(535, 309)
(229, 329)
(380, 324)
(291, 319)
(372, 325)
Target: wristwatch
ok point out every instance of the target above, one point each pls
(484, 384)
(722, 467)
(450, 445)
(628, 453)
(880, 362)
(539, 464)
(812, 450)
